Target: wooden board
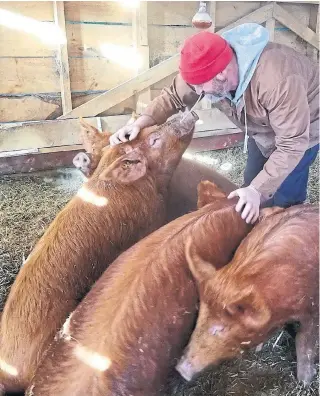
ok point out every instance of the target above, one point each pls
(29, 108)
(228, 12)
(175, 13)
(28, 75)
(38, 10)
(35, 135)
(88, 40)
(97, 11)
(166, 41)
(217, 142)
(20, 43)
(97, 74)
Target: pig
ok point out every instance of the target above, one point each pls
(123, 201)
(128, 332)
(271, 281)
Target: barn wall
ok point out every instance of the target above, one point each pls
(29, 78)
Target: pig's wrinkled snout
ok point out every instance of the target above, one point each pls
(186, 123)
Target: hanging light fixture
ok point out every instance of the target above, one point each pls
(202, 19)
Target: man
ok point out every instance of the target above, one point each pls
(268, 90)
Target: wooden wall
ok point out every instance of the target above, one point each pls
(29, 77)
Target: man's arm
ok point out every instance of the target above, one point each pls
(289, 117)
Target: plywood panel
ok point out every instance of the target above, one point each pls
(97, 11)
(29, 108)
(166, 82)
(88, 40)
(165, 41)
(38, 10)
(229, 11)
(173, 13)
(285, 36)
(97, 74)
(19, 43)
(27, 75)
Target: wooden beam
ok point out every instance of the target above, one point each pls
(51, 135)
(313, 25)
(260, 16)
(282, 16)
(216, 142)
(62, 57)
(270, 25)
(125, 90)
(140, 43)
(151, 76)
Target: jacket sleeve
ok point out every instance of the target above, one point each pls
(178, 96)
(289, 117)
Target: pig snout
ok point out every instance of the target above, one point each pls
(185, 123)
(186, 369)
(82, 161)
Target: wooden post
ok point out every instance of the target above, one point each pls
(270, 25)
(140, 43)
(62, 58)
(211, 9)
(313, 25)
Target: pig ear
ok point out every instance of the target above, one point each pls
(208, 192)
(250, 309)
(200, 269)
(91, 136)
(266, 212)
(126, 169)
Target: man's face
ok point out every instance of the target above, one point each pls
(218, 86)
(222, 83)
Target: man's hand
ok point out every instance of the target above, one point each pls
(128, 132)
(249, 203)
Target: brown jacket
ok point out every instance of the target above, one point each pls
(282, 106)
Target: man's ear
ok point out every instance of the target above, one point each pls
(126, 169)
(208, 192)
(93, 140)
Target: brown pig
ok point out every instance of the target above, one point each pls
(123, 201)
(271, 281)
(127, 333)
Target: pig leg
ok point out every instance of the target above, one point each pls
(306, 340)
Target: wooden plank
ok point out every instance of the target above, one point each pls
(270, 25)
(153, 75)
(97, 11)
(173, 13)
(30, 108)
(20, 75)
(62, 58)
(89, 74)
(289, 21)
(36, 162)
(95, 40)
(125, 90)
(20, 43)
(38, 10)
(165, 41)
(314, 26)
(258, 16)
(216, 142)
(228, 12)
(35, 135)
(140, 43)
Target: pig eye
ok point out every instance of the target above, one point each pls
(155, 141)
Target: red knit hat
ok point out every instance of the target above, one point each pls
(203, 56)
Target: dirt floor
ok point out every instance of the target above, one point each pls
(29, 203)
